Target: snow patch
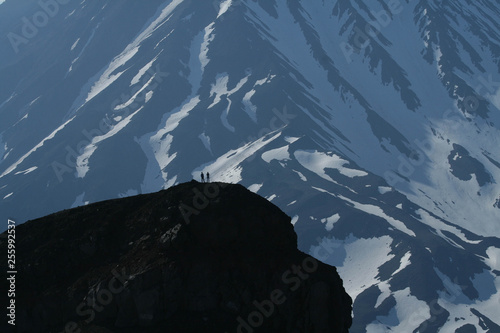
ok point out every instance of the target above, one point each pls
(271, 197)
(404, 262)
(148, 96)
(3, 148)
(50, 137)
(227, 167)
(75, 44)
(290, 139)
(207, 38)
(454, 301)
(205, 139)
(330, 221)
(250, 108)
(302, 177)
(377, 211)
(70, 14)
(280, 154)
(83, 48)
(255, 187)
(219, 89)
(409, 313)
(176, 117)
(82, 161)
(384, 189)
(137, 94)
(107, 75)
(440, 226)
(358, 270)
(493, 259)
(385, 292)
(156, 145)
(8, 99)
(142, 71)
(162, 140)
(224, 6)
(25, 172)
(317, 162)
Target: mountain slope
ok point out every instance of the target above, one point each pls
(374, 125)
(156, 263)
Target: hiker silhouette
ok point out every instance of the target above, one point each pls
(208, 177)
(202, 177)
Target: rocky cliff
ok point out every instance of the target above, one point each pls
(194, 258)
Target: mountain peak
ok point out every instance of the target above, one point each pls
(373, 124)
(198, 257)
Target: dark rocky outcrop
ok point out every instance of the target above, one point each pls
(193, 258)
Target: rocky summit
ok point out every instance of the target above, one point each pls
(198, 257)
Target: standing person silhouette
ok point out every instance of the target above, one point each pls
(208, 177)
(202, 178)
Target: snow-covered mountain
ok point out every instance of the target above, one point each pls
(374, 124)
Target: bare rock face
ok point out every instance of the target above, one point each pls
(194, 258)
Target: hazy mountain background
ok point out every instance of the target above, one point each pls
(373, 124)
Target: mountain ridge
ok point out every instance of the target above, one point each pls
(145, 264)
